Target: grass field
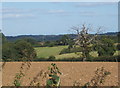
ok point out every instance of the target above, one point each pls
(45, 52)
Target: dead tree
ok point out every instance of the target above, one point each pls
(84, 39)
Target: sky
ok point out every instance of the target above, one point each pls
(52, 18)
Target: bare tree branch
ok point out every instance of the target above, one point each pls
(84, 39)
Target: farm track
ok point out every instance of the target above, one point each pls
(72, 71)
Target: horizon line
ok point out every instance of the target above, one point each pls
(51, 34)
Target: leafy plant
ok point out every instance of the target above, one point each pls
(54, 79)
(17, 81)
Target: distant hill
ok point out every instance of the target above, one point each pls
(48, 37)
(39, 37)
(111, 33)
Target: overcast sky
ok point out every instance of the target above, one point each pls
(41, 18)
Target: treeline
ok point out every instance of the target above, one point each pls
(44, 38)
(63, 40)
(39, 38)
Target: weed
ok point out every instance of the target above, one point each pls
(17, 81)
(23, 69)
(54, 79)
(99, 78)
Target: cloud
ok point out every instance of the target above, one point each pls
(56, 11)
(87, 13)
(4, 16)
(12, 10)
(8, 13)
(94, 4)
(16, 13)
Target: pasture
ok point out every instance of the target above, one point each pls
(45, 52)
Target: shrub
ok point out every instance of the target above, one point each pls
(51, 58)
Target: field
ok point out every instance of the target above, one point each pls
(45, 52)
(78, 71)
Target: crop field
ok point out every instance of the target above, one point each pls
(45, 52)
(71, 72)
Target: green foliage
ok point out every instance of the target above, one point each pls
(54, 70)
(49, 44)
(9, 52)
(25, 49)
(64, 40)
(16, 51)
(118, 46)
(105, 59)
(54, 79)
(4, 40)
(51, 58)
(106, 47)
(17, 80)
(32, 41)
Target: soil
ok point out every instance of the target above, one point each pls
(81, 72)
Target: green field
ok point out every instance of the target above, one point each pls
(45, 52)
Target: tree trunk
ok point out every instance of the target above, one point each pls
(84, 59)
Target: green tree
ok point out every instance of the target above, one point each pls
(106, 47)
(25, 50)
(9, 52)
(65, 40)
(32, 41)
(49, 43)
